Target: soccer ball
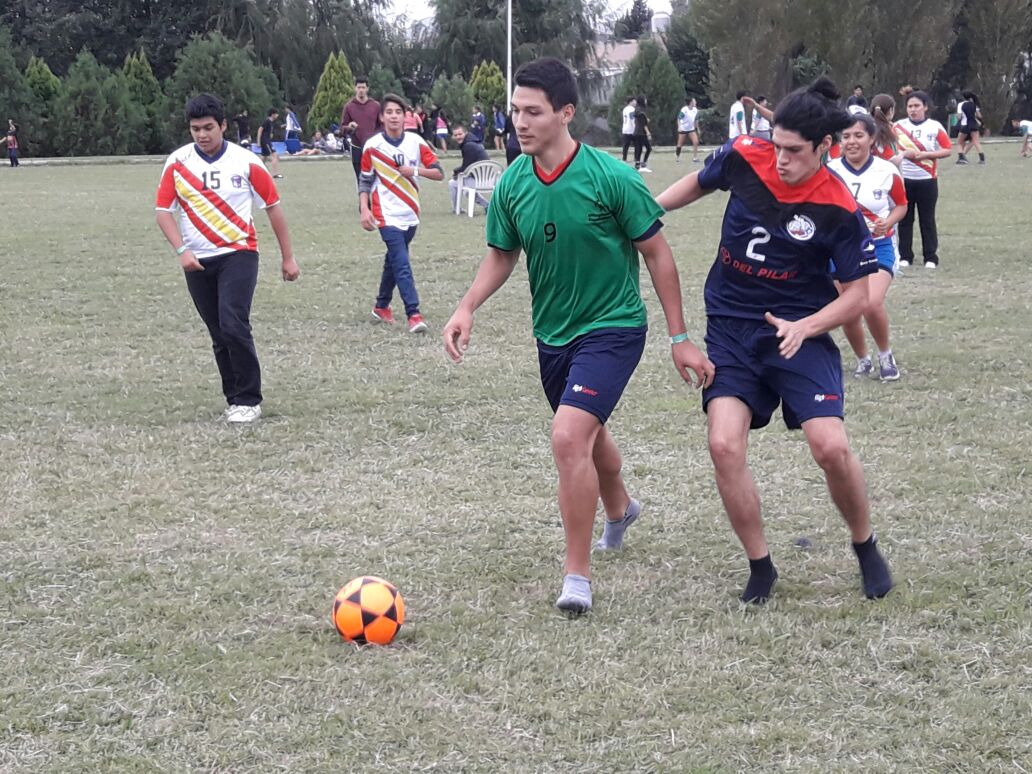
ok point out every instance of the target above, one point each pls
(368, 609)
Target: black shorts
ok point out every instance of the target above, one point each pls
(266, 150)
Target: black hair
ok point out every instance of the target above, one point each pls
(206, 106)
(870, 126)
(361, 79)
(971, 96)
(399, 101)
(761, 99)
(552, 77)
(918, 94)
(813, 112)
(457, 125)
(740, 94)
(272, 112)
(858, 86)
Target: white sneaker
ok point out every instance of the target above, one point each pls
(237, 415)
(930, 265)
(904, 264)
(644, 169)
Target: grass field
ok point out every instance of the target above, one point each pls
(166, 580)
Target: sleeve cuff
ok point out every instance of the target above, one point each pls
(650, 232)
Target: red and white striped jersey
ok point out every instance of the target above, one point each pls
(214, 195)
(393, 198)
(877, 187)
(928, 135)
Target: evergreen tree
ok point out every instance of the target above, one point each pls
(146, 92)
(488, 86)
(690, 59)
(214, 65)
(16, 96)
(95, 112)
(650, 74)
(634, 24)
(336, 86)
(45, 87)
(454, 96)
(382, 80)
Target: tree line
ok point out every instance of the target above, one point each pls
(111, 76)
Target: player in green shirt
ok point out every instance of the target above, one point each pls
(582, 218)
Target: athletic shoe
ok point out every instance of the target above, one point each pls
(931, 265)
(961, 160)
(864, 367)
(417, 325)
(677, 160)
(278, 177)
(981, 162)
(576, 595)
(644, 169)
(384, 315)
(887, 368)
(613, 532)
(696, 160)
(242, 415)
(904, 264)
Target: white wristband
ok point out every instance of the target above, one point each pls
(415, 172)
(182, 249)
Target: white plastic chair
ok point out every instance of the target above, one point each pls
(485, 176)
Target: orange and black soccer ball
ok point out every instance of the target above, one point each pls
(368, 609)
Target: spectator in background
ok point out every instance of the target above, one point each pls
(512, 141)
(423, 120)
(243, 127)
(293, 124)
(760, 122)
(687, 129)
(498, 121)
(265, 141)
(472, 152)
(413, 123)
(360, 118)
(858, 99)
(627, 124)
(478, 125)
(1024, 128)
(736, 117)
(969, 115)
(642, 136)
(440, 129)
(11, 141)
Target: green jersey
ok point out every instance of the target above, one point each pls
(577, 227)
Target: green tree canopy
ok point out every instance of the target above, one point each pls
(635, 23)
(213, 64)
(383, 80)
(652, 75)
(146, 92)
(336, 87)
(488, 85)
(691, 61)
(16, 95)
(454, 96)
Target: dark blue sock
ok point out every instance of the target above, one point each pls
(874, 571)
(761, 580)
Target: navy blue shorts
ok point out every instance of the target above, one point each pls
(750, 368)
(592, 371)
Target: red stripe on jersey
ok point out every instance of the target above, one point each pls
(216, 201)
(166, 196)
(898, 192)
(377, 209)
(380, 155)
(404, 197)
(426, 156)
(550, 177)
(262, 183)
(822, 188)
(213, 237)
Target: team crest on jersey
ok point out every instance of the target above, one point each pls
(801, 228)
(238, 181)
(878, 193)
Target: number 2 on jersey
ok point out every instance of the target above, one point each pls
(761, 238)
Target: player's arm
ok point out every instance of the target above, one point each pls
(278, 221)
(365, 187)
(688, 359)
(1024, 145)
(494, 270)
(847, 307)
(766, 112)
(682, 193)
(167, 224)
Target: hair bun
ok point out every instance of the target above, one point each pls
(825, 87)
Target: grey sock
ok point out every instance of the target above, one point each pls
(613, 531)
(576, 594)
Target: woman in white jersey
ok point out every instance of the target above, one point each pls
(687, 129)
(923, 141)
(878, 188)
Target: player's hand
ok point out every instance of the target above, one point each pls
(456, 334)
(291, 271)
(791, 332)
(880, 228)
(690, 361)
(189, 261)
(367, 220)
(407, 172)
(748, 101)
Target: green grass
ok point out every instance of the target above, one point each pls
(166, 580)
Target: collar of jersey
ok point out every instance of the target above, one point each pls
(864, 168)
(550, 177)
(396, 143)
(216, 157)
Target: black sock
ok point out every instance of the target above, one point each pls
(761, 580)
(874, 572)
(677, 153)
(981, 157)
(960, 157)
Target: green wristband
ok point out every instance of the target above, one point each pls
(182, 249)
(679, 338)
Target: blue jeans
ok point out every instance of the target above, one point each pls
(397, 271)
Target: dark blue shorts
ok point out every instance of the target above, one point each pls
(592, 371)
(749, 368)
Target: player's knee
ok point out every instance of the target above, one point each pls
(726, 450)
(832, 453)
(569, 445)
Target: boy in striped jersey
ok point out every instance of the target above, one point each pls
(213, 184)
(388, 198)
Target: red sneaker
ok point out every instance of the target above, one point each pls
(417, 325)
(383, 315)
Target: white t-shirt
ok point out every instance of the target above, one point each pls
(214, 196)
(1024, 128)
(877, 186)
(393, 198)
(928, 135)
(736, 120)
(686, 119)
(628, 120)
(759, 122)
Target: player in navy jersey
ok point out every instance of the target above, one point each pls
(770, 302)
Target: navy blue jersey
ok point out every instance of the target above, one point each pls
(777, 240)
